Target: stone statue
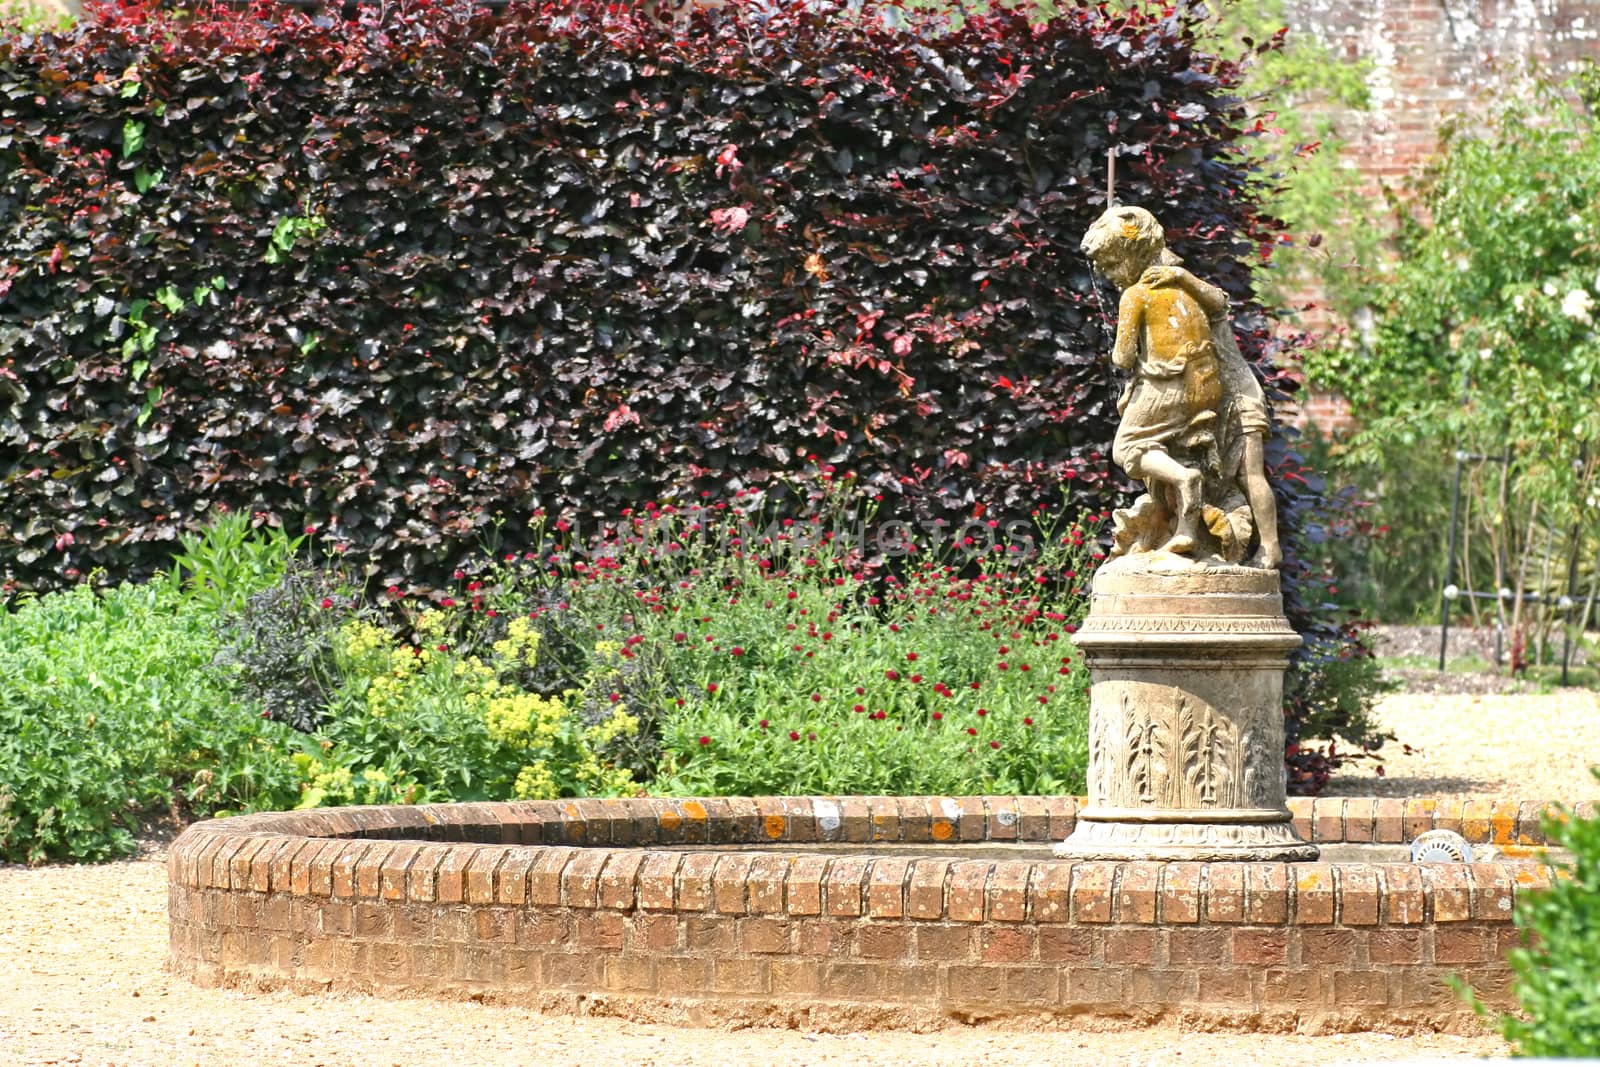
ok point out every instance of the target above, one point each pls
(1194, 419)
(1185, 647)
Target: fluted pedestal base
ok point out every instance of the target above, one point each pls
(1186, 665)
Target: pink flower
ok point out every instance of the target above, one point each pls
(729, 219)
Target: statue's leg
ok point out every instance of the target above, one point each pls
(1263, 508)
(1156, 465)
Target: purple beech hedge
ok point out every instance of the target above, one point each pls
(409, 275)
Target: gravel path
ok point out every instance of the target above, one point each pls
(85, 951)
(1508, 746)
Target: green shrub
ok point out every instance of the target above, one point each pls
(419, 723)
(767, 655)
(110, 711)
(1558, 966)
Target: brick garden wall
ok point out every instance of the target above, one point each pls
(576, 906)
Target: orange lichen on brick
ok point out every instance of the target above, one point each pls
(695, 810)
(669, 819)
(943, 829)
(774, 825)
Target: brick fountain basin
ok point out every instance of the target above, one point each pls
(846, 912)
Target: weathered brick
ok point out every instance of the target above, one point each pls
(1328, 945)
(1260, 946)
(480, 875)
(1133, 946)
(1197, 946)
(1360, 819)
(1389, 822)
(1390, 945)
(916, 820)
(886, 879)
(964, 900)
(890, 941)
(1223, 891)
(497, 925)
(1008, 891)
(1419, 816)
(711, 934)
(730, 883)
(843, 886)
(1222, 985)
(1161, 987)
(1327, 819)
(1313, 893)
(943, 942)
(1477, 821)
(1066, 944)
(580, 879)
(1092, 892)
(1360, 892)
(803, 894)
(600, 929)
(925, 889)
(1136, 895)
(1460, 944)
(1403, 896)
(1300, 816)
(884, 816)
(1050, 893)
(694, 881)
(1294, 988)
(655, 934)
(1006, 944)
(1179, 892)
(657, 877)
(619, 880)
(450, 878)
(1001, 818)
(1494, 890)
(1449, 887)
(544, 877)
(764, 935)
(1360, 987)
(1033, 819)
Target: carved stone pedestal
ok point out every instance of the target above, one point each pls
(1186, 662)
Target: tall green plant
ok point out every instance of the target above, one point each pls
(1488, 340)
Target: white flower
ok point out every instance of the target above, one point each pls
(1517, 302)
(1577, 304)
(1549, 288)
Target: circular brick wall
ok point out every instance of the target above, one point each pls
(608, 905)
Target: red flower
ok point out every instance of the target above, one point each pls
(1027, 720)
(893, 676)
(711, 687)
(327, 602)
(911, 657)
(794, 735)
(763, 724)
(704, 740)
(982, 712)
(735, 651)
(973, 731)
(938, 715)
(447, 602)
(816, 698)
(994, 744)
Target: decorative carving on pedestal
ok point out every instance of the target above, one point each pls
(1185, 721)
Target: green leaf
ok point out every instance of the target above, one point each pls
(168, 297)
(139, 368)
(152, 397)
(132, 137)
(144, 179)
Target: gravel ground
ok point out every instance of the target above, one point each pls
(86, 951)
(1506, 746)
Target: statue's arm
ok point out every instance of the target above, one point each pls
(1212, 299)
(1130, 321)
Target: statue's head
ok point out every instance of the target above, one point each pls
(1124, 241)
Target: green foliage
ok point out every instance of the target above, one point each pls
(1487, 342)
(1301, 89)
(773, 656)
(229, 560)
(280, 647)
(418, 723)
(109, 711)
(1558, 966)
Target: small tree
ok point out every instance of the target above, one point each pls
(1488, 341)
